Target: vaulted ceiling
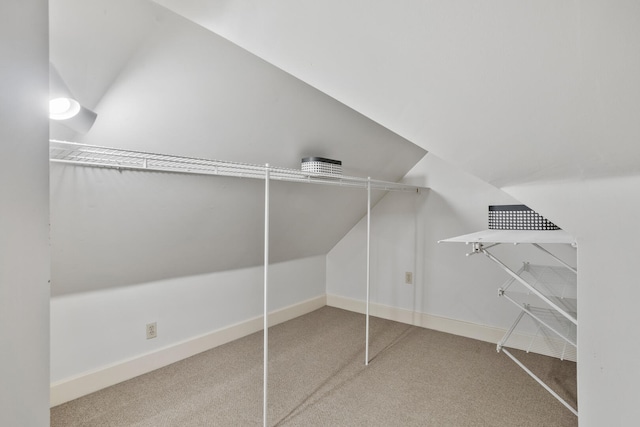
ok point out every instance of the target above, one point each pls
(162, 83)
(513, 92)
(521, 94)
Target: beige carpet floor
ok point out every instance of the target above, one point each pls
(418, 377)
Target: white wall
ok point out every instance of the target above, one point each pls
(24, 209)
(183, 90)
(96, 330)
(112, 228)
(405, 230)
(603, 214)
(129, 248)
(515, 92)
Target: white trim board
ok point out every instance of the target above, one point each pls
(89, 382)
(476, 331)
(92, 381)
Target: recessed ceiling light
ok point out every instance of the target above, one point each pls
(63, 108)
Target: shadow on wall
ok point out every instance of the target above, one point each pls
(394, 240)
(114, 228)
(439, 265)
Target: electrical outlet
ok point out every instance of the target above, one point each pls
(152, 330)
(408, 278)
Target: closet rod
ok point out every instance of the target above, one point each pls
(97, 156)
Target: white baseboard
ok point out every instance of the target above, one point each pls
(451, 326)
(89, 382)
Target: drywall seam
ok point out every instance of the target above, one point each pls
(89, 382)
(451, 326)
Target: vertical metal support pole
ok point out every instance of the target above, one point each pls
(266, 284)
(366, 352)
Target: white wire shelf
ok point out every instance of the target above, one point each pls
(558, 284)
(96, 156)
(552, 330)
(514, 237)
(554, 335)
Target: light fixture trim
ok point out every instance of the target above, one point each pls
(63, 108)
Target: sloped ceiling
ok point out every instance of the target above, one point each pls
(514, 92)
(164, 84)
(519, 94)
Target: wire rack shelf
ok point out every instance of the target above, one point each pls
(97, 156)
(557, 284)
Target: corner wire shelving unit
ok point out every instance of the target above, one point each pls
(72, 153)
(555, 286)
